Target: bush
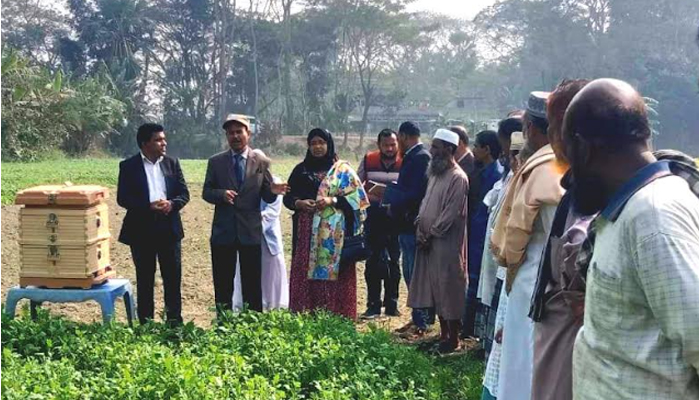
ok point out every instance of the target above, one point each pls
(294, 149)
(250, 356)
(42, 110)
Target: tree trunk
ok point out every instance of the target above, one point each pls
(365, 111)
(286, 73)
(224, 39)
(255, 67)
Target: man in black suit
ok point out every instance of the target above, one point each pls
(236, 180)
(403, 200)
(152, 189)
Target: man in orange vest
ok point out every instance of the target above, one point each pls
(378, 169)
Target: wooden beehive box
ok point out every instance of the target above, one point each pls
(64, 236)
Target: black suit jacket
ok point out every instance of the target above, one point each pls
(240, 221)
(406, 195)
(142, 225)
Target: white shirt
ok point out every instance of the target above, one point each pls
(412, 147)
(156, 180)
(640, 334)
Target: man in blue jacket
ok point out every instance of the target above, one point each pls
(403, 201)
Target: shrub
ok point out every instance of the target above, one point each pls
(294, 149)
(42, 110)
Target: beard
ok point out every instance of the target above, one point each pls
(387, 157)
(528, 149)
(589, 196)
(440, 164)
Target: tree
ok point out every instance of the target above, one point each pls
(91, 112)
(375, 31)
(34, 28)
(652, 44)
(115, 43)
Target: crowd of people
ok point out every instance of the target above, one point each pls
(562, 242)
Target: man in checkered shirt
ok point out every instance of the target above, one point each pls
(640, 334)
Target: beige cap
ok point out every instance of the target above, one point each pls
(241, 119)
(517, 141)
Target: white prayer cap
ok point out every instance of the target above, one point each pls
(447, 136)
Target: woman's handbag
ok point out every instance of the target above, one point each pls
(355, 248)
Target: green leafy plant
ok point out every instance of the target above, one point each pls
(276, 355)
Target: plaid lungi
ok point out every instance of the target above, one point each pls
(485, 324)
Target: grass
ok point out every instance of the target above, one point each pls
(98, 171)
(274, 355)
(104, 171)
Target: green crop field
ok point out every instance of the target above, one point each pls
(99, 171)
(275, 355)
(104, 171)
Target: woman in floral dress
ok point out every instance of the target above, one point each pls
(325, 193)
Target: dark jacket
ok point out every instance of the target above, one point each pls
(406, 195)
(467, 163)
(240, 221)
(142, 225)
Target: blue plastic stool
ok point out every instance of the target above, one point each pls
(105, 294)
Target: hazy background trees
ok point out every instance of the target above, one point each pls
(83, 74)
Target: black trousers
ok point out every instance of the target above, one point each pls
(383, 264)
(170, 261)
(223, 260)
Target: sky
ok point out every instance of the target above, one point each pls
(463, 9)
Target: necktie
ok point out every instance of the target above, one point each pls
(238, 168)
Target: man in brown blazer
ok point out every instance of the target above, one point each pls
(464, 155)
(236, 180)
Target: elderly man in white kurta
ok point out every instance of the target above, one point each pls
(518, 240)
(439, 276)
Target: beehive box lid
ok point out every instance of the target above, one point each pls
(62, 195)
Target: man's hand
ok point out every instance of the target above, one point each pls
(162, 206)
(379, 191)
(279, 188)
(156, 205)
(230, 196)
(498, 337)
(423, 243)
(422, 240)
(167, 207)
(305, 205)
(324, 202)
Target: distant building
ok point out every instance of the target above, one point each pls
(474, 112)
(379, 118)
